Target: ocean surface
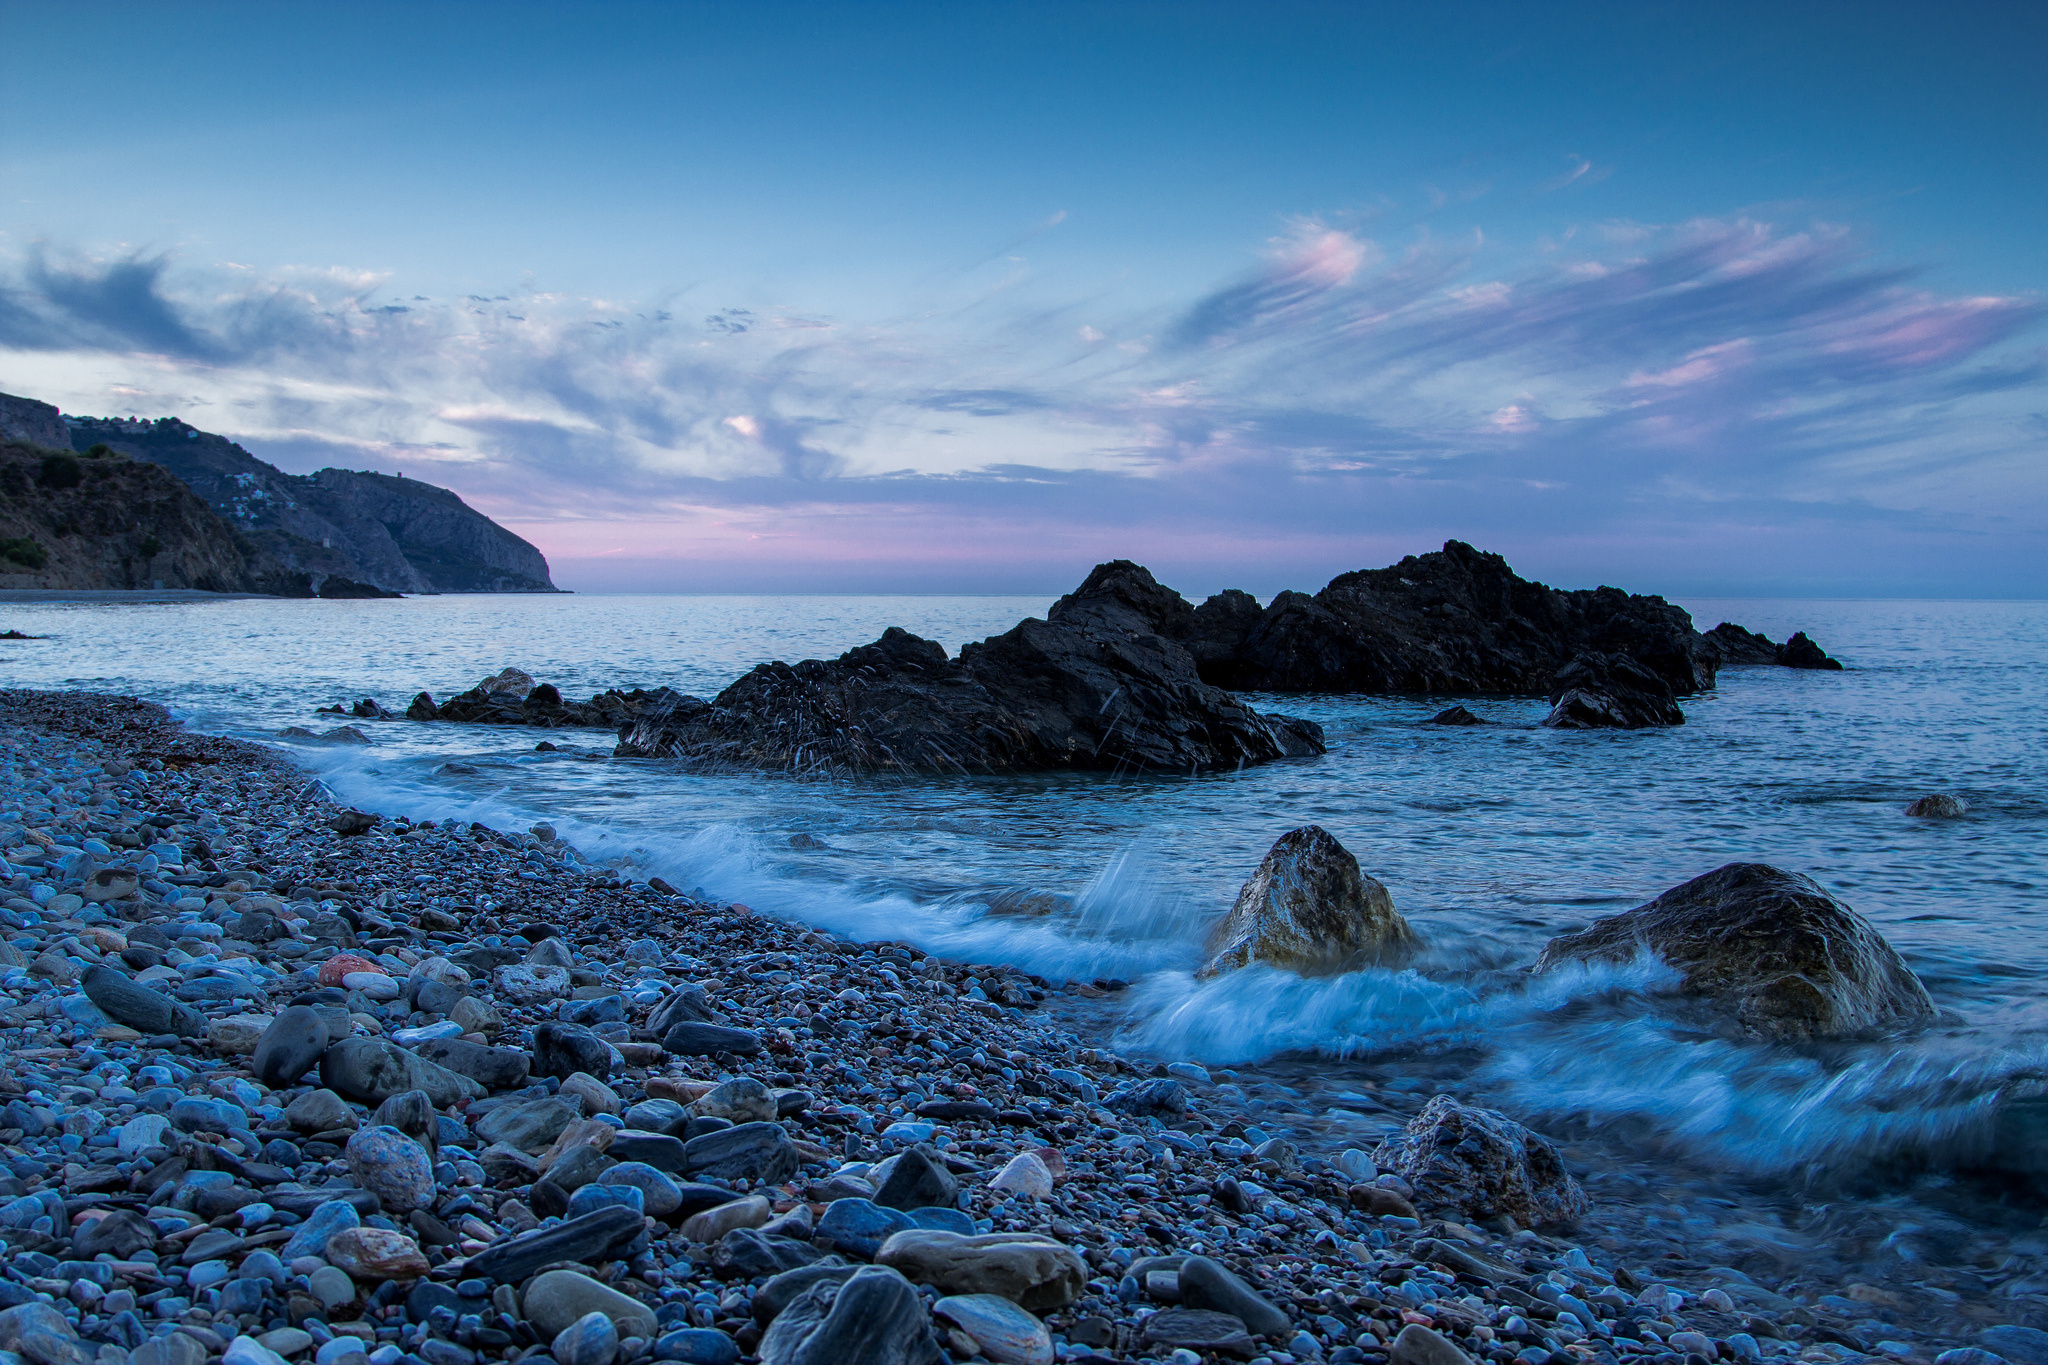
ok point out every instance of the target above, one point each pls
(1491, 840)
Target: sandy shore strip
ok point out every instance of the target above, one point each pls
(281, 1081)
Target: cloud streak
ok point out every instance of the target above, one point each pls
(1664, 390)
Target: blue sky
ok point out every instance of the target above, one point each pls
(1739, 298)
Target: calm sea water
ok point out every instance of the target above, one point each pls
(1491, 840)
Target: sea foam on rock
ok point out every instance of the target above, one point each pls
(1772, 950)
(1309, 909)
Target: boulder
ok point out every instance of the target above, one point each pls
(760, 1152)
(393, 1167)
(290, 1046)
(1733, 644)
(1771, 950)
(1800, 652)
(1455, 715)
(1610, 692)
(1939, 806)
(1479, 1164)
(559, 1297)
(493, 1068)
(1309, 909)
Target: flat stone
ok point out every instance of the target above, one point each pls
(531, 1126)
(1198, 1329)
(138, 1006)
(691, 1039)
(1029, 1270)
(750, 1151)
(1006, 1333)
(739, 1100)
(583, 1239)
(558, 1298)
(751, 1212)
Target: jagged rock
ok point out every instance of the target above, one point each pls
(1026, 1268)
(370, 1071)
(1735, 645)
(1610, 691)
(1482, 1164)
(1455, 715)
(1309, 909)
(1771, 949)
(873, 1317)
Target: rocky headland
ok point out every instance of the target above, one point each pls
(286, 1082)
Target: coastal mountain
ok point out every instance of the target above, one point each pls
(394, 534)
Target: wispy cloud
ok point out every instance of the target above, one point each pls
(1637, 382)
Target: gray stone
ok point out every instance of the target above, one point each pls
(918, 1181)
(2026, 1345)
(38, 1333)
(1308, 909)
(663, 1196)
(697, 1346)
(290, 1047)
(412, 1114)
(874, 1317)
(312, 1236)
(1026, 1268)
(584, 1240)
(121, 1233)
(529, 1126)
(1006, 1333)
(1205, 1283)
(1418, 1345)
(1200, 1330)
(140, 1008)
(782, 1290)
(662, 1151)
(750, 1151)
(320, 1111)
(689, 1039)
(494, 1068)
(559, 1298)
(564, 1049)
(370, 1071)
(739, 1100)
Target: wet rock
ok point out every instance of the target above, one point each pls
(370, 1071)
(349, 823)
(1482, 1164)
(750, 1151)
(121, 1234)
(1160, 1097)
(393, 1167)
(748, 1253)
(1455, 715)
(662, 1196)
(873, 1317)
(376, 1254)
(1199, 1330)
(750, 1212)
(697, 1346)
(38, 1333)
(1610, 692)
(311, 1237)
(1309, 909)
(290, 1046)
(590, 1340)
(919, 1179)
(1205, 1283)
(558, 1298)
(859, 1226)
(147, 1011)
(1939, 806)
(565, 1049)
(1770, 949)
(1033, 1271)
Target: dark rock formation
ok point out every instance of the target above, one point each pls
(1310, 910)
(1734, 645)
(1481, 1165)
(390, 533)
(1455, 715)
(1940, 806)
(1455, 620)
(30, 423)
(1610, 691)
(1770, 949)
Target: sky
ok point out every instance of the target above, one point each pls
(1723, 298)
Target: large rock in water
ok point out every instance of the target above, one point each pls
(1091, 686)
(1482, 1164)
(1781, 956)
(1610, 692)
(1309, 909)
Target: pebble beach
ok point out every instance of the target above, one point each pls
(286, 1081)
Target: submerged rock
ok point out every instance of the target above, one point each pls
(1482, 1165)
(1309, 909)
(1939, 806)
(1783, 957)
(1455, 715)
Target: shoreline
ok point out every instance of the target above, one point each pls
(1013, 1100)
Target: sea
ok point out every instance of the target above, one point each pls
(1920, 1161)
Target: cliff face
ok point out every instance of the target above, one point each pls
(399, 535)
(32, 423)
(72, 522)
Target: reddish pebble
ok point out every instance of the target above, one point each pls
(335, 968)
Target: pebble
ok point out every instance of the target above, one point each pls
(1004, 1332)
(393, 1167)
(590, 1340)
